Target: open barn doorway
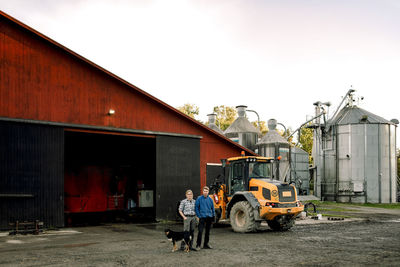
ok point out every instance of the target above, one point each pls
(109, 176)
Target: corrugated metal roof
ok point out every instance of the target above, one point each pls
(272, 137)
(356, 115)
(298, 150)
(241, 125)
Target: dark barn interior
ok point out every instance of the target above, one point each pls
(108, 175)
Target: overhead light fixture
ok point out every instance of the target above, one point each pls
(111, 112)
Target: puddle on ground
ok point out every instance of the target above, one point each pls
(61, 232)
(393, 221)
(14, 242)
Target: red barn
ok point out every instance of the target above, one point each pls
(76, 138)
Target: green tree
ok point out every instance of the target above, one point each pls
(263, 124)
(225, 116)
(306, 140)
(190, 109)
(286, 134)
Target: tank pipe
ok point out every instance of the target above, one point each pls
(258, 118)
(284, 127)
(344, 98)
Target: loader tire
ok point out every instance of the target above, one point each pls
(242, 218)
(279, 224)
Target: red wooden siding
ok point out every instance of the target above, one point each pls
(42, 80)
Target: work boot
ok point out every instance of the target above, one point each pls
(207, 246)
(198, 247)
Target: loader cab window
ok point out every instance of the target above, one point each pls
(259, 170)
(236, 176)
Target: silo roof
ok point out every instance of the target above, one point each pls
(241, 125)
(356, 115)
(272, 137)
(298, 150)
(215, 128)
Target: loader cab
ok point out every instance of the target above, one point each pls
(242, 169)
(237, 177)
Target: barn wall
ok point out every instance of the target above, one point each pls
(41, 80)
(32, 174)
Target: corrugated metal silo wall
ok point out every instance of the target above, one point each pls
(393, 163)
(366, 155)
(387, 164)
(385, 160)
(324, 154)
(372, 162)
(178, 169)
(31, 174)
(299, 170)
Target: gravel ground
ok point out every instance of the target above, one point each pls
(371, 237)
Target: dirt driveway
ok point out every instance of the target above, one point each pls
(374, 239)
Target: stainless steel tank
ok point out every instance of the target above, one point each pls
(355, 156)
(242, 131)
(272, 144)
(211, 123)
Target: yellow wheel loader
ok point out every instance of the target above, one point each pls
(249, 194)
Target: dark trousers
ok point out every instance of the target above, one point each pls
(204, 222)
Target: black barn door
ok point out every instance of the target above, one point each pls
(178, 169)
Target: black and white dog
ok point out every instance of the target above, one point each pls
(178, 236)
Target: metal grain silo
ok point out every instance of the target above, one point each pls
(272, 144)
(242, 131)
(355, 154)
(211, 123)
(299, 170)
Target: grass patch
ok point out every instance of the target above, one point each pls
(319, 203)
(381, 205)
(338, 209)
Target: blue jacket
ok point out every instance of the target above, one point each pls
(204, 207)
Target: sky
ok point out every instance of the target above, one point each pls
(277, 57)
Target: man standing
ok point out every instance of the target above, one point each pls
(205, 211)
(186, 210)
